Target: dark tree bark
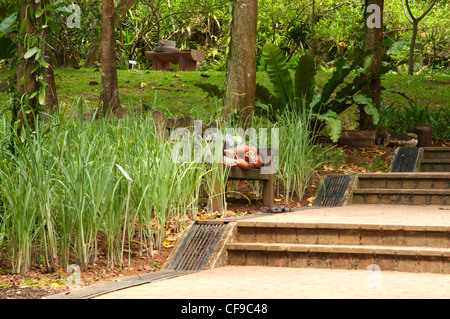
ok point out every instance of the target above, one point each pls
(240, 83)
(374, 39)
(109, 95)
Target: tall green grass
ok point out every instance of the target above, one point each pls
(63, 198)
(299, 155)
(71, 189)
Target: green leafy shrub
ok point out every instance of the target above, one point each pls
(338, 93)
(398, 117)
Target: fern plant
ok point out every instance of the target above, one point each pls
(303, 91)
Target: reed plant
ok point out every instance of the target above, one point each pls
(298, 153)
(72, 188)
(63, 198)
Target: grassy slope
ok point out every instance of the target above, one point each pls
(176, 91)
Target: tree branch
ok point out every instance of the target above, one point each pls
(426, 12)
(409, 10)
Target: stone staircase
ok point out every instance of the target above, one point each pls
(429, 186)
(342, 246)
(354, 238)
(436, 159)
(403, 188)
(411, 248)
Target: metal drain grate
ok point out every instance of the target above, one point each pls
(405, 160)
(197, 246)
(332, 191)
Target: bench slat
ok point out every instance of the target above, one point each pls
(247, 174)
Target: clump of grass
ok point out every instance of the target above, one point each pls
(61, 190)
(299, 155)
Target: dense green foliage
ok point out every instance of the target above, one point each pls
(398, 117)
(201, 24)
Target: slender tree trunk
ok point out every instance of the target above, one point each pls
(51, 99)
(312, 28)
(415, 23)
(240, 83)
(94, 52)
(412, 47)
(109, 95)
(26, 84)
(374, 39)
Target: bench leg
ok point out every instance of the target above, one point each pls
(217, 200)
(186, 64)
(158, 65)
(268, 192)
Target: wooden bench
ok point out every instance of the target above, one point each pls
(186, 59)
(164, 127)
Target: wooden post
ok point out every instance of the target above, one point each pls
(160, 124)
(268, 191)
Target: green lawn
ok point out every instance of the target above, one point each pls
(432, 88)
(175, 92)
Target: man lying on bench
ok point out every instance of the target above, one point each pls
(244, 156)
(240, 154)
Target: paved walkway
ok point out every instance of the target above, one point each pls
(253, 282)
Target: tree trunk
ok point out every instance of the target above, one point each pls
(26, 84)
(415, 23)
(312, 28)
(374, 39)
(412, 47)
(51, 99)
(240, 83)
(109, 95)
(94, 53)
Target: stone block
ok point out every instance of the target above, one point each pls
(393, 238)
(307, 236)
(246, 234)
(371, 237)
(277, 259)
(349, 237)
(328, 237)
(424, 134)
(286, 235)
(265, 235)
(298, 260)
(414, 238)
(357, 138)
(319, 260)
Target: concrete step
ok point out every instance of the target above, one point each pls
(344, 234)
(435, 165)
(387, 258)
(415, 188)
(394, 247)
(418, 180)
(402, 196)
(436, 153)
